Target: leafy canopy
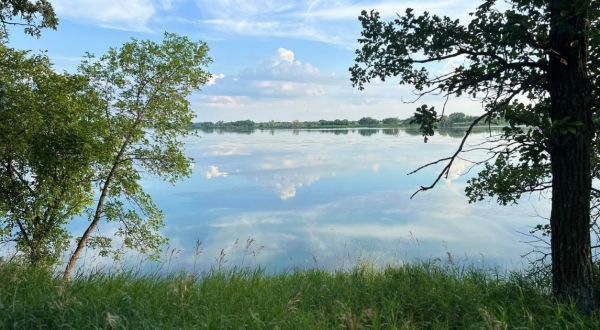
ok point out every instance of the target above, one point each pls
(32, 15)
(143, 87)
(71, 143)
(505, 58)
(48, 139)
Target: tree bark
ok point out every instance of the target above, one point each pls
(570, 90)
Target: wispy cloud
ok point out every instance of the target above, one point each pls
(333, 22)
(132, 15)
(282, 29)
(350, 10)
(328, 21)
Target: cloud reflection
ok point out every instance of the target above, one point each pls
(331, 196)
(423, 229)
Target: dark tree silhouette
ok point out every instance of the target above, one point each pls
(534, 65)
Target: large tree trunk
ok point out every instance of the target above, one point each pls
(570, 224)
(570, 153)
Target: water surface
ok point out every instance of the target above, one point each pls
(332, 198)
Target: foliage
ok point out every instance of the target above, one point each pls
(391, 121)
(143, 88)
(531, 63)
(409, 297)
(426, 118)
(32, 15)
(368, 121)
(506, 57)
(49, 135)
(42, 143)
(68, 141)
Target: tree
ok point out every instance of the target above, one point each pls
(535, 65)
(48, 138)
(33, 16)
(368, 121)
(391, 121)
(41, 146)
(63, 135)
(457, 117)
(143, 87)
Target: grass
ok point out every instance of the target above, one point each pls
(407, 297)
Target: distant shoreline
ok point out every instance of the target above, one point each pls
(412, 127)
(454, 120)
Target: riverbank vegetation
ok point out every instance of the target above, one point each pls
(408, 297)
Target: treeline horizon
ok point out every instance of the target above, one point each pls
(451, 120)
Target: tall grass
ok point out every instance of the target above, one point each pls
(406, 297)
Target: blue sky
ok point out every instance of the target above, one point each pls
(273, 59)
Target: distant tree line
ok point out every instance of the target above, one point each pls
(452, 120)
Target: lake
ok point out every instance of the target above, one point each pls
(331, 199)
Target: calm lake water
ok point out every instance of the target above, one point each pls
(332, 198)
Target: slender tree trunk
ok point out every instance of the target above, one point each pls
(35, 258)
(97, 214)
(570, 153)
(100, 206)
(83, 240)
(35, 255)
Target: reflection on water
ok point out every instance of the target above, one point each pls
(456, 132)
(328, 198)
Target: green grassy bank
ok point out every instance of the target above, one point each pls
(409, 297)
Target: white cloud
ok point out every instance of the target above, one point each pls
(285, 55)
(285, 87)
(214, 172)
(333, 22)
(132, 15)
(213, 79)
(284, 66)
(223, 101)
(276, 18)
(279, 76)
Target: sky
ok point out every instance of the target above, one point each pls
(272, 59)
